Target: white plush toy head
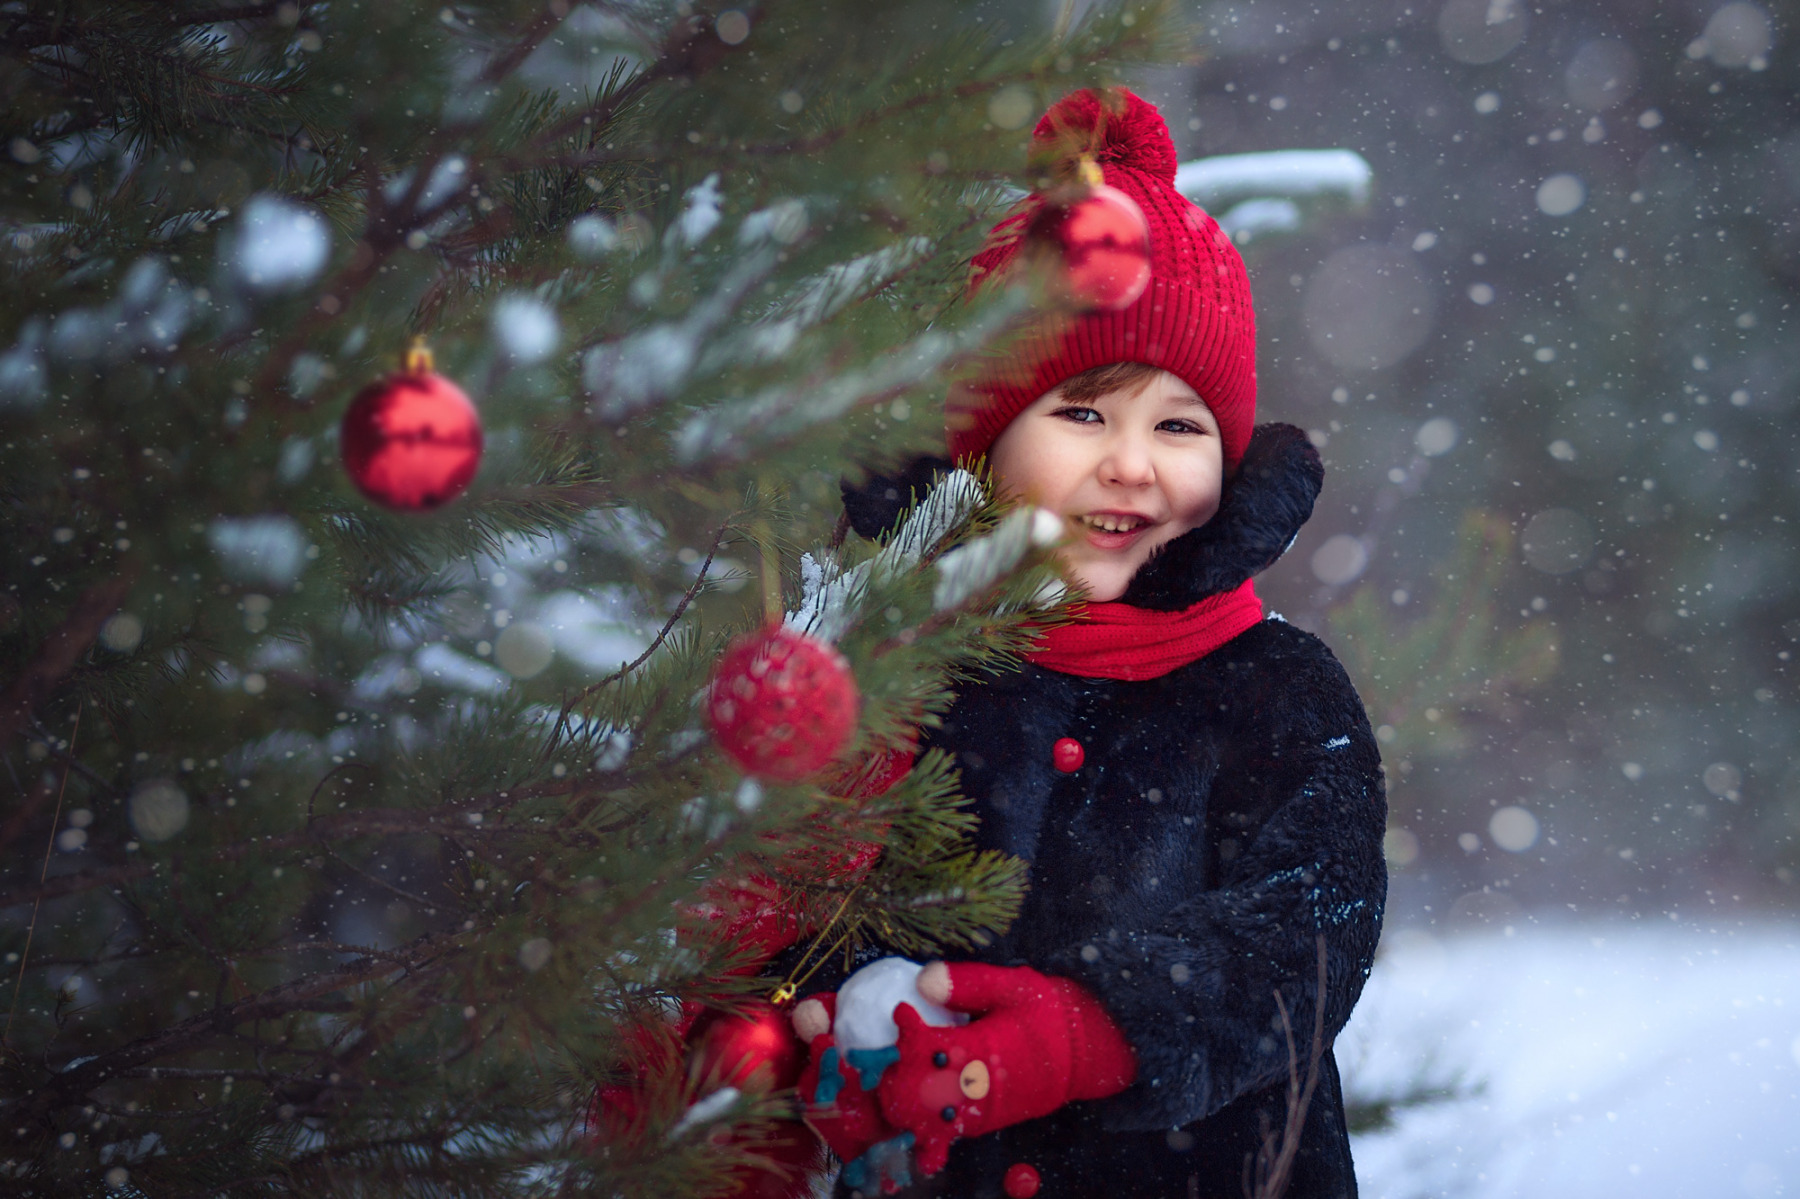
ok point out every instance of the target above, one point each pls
(866, 1001)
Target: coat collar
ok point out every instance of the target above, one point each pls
(1259, 516)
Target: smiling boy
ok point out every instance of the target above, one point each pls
(1195, 789)
(1128, 455)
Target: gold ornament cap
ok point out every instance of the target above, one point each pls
(418, 358)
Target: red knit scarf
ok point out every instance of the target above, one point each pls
(1119, 641)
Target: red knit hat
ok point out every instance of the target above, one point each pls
(1194, 320)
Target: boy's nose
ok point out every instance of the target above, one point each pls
(1127, 463)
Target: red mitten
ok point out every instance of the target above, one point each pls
(1038, 1043)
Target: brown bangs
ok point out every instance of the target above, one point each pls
(1114, 376)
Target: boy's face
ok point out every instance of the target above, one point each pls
(1128, 471)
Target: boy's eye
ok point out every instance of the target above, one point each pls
(1181, 426)
(1086, 416)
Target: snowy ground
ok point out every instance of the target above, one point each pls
(1587, 1061)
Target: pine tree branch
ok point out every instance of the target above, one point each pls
(240, 12)
(100, 785)
(447, 820)
(662, 635)
(71, 1085)
(503, 65)
(35, 799)
(63, 649)
(680, 57)
(417, 900)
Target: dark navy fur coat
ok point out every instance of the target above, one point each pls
(1228, 816)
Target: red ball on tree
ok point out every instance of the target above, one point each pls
(411, 441)
(782, 704)
(755, 1051)
(1100, 239)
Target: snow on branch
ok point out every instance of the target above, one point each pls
(739, 427)
(1211, 182)
(625, 376)
(970, 569)
(1265, 214)
(830, 600)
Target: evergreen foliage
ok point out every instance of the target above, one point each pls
(300, 893)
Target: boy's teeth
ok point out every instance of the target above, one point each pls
(1112, 524)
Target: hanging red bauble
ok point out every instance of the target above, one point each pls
(782, 704)
(1101, 240)
(756, 1051)
(411, 441)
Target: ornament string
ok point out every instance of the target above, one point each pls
(31, 929)
(802, 972)
(769, 559)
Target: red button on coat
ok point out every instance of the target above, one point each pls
(1068, 755)
(1021, 1180)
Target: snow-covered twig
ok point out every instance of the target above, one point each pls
(830, 599)
(1211, 182)
(705, 1111)
(740, 427)
(968, 570)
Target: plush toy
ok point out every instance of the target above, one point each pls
(1036, 1043)
(853, 1040)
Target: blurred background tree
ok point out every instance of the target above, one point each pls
(348, 849)
(1554, 345)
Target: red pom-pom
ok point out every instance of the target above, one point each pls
(1118, 129)
(411, 441)
(782, 704)
(1103, 242)
(1067, 755)
(1021, 1181)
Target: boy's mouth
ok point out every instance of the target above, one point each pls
(1113, 522)
(1113, 531)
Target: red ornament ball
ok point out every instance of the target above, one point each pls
(1067, 755)
(1020, 1181)
(1103, 243)
(411, 441)
(757, 1051)
(782, 704)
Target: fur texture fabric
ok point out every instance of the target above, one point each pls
(1226, 821)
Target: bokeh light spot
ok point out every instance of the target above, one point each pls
(1561, 195)
(1011, 107)
(523, 649)
(158, 810)
(1342, 559)
(1481, 31)
(1436, 437)
(1368, 307)
(1602, 73)
(1513, 828)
